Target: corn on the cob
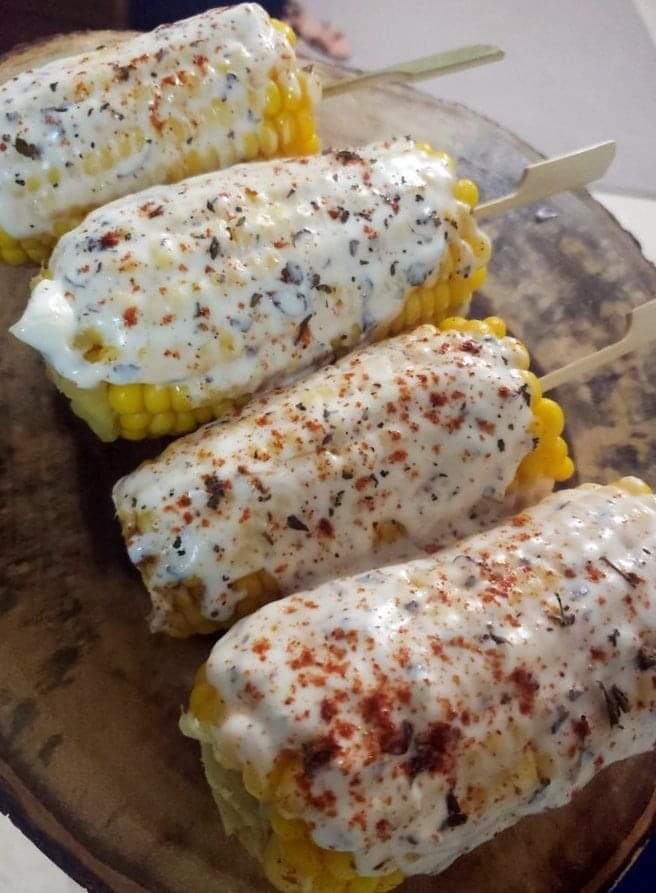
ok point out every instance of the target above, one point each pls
(164, 309)
(382, 725)
(194, 96)
(400, 446)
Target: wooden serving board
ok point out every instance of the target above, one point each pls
(92, 766)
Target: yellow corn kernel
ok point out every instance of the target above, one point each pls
(133, 435)
(564, 471)
(184, 422)
(287, 829)
(286, 127)
(305, 124)
(466, 191)
(249, 146)
(534, 386)
(138, 139)
(362, 885)
(6, 240)
(204, 702)
(254, 783)
(13, 256)
(634, 485)
(161, 423)
(481, 247)
(326, 883)
(477, 278)
(442, 297)
(268, 140)
(106, 158)
(340, 865)
(496, 326)
(32, 184)
(157, 398)
(125, 398)
(461, 290)
(203, 414)
(134, 421)
(278, 871)
(389, 881)
(520, 354)
(412, 309)
(91, 164)
(124, 148)
(222, 407)
(309, 147)
(292, 94)
(285, 29)
(193, 163)
(551, 416)
(273, 100)
(475, 327)
(54, 176)
(180, 399)
(303, 855)
(530, 468)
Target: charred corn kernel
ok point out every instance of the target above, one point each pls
(125, 398)
(157, 398)
(466, 191)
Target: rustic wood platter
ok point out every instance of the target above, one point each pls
(92, 766)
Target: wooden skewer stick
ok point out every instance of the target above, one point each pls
(641, 330)
(563, 173)
(420, 69)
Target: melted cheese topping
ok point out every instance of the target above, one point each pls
(245, 276)
(56, 121)
(425, 430)
(435, 703)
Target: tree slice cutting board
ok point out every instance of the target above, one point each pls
(92, 766)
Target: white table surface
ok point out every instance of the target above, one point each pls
(23, 868)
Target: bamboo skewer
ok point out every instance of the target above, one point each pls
(641, 330)
(420, 69)
(563, 173)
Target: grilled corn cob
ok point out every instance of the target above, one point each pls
(402, 445)
(382, 725)
(166, 308)
(194, 96)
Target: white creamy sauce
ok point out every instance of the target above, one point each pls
(437, 702)
(51, 118)
(426, 430)
(245, 276)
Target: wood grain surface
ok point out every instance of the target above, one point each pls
(92, 765)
